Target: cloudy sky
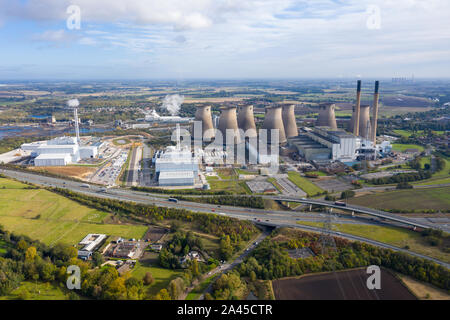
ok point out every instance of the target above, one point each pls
(182, 39)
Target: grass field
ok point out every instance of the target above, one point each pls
(391, 235)
(403, 147)
(440, 177)
(310, 188)
(161, 276)
(226, 185)
(413, 199)
(36, 291)
(51, 218)
(408, 133)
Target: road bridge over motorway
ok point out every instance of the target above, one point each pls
(359, 209)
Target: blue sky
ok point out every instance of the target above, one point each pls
(182, 39)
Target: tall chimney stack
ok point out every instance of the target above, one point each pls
(376, 97)
(289, 122)
(77, 128)
(357, 110)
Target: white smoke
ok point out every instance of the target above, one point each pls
(172, 103)
(73, 103)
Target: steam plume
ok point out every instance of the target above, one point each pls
(73, 103)
(172, 103)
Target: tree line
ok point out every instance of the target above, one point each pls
(271, 259)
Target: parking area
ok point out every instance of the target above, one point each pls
(333, 185)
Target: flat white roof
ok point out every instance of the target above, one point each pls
(47, 156)
(57, 146)
(176, 174)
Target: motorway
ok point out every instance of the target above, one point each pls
(263, 217)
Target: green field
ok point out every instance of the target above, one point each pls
(440, 177)
(310, 188)
(226, 185)
(403, 147)
(51, 218)
(391, 235)
(413, 199)
(37, 291)
(408, 133)
(161, 276)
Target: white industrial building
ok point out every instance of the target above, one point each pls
(59, 151)
(153, 116)
(324, 143)
(53, 159)
(176, 167)
(176, 178)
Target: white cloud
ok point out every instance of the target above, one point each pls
(256, 36)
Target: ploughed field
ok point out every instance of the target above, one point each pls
(342, 285)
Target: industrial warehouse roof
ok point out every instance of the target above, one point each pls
(176, 174)
(47, 156)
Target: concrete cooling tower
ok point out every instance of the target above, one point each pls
(246, 120)
(327, 117)
(289, 122)
(274, 120)
(228, 121)
(364, 121)
(203, 114)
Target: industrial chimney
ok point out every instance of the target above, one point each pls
(228, 121)
(354, 124)
(289, 122)
(246, 120)
(274, 120)
(327, 118)
(364, 121)
(203, 114)
(376, 97)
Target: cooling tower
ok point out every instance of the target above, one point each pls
(246, 120)
(354, 123)
(289, 122)
(375, 113)
(327, 118)
(364, 121)
(203, 114)
(274, 120)
(228, 121)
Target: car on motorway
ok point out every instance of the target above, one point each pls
(173, 200)
(340, 203)
(85, 185)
